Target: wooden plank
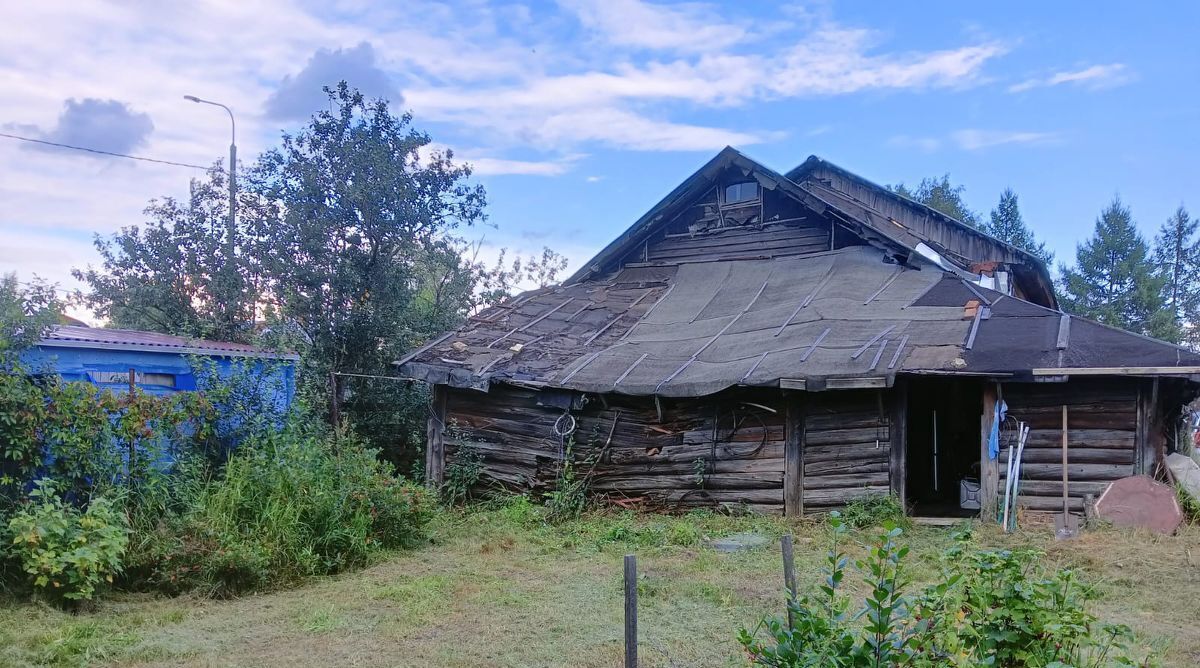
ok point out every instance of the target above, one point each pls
(837, 467)
(859, 435)
(1044, 455)
(793, 483)
(855, 383)
(435, 447)
(847, 480)
(898, 452)
(1119, 371)
(989, 469)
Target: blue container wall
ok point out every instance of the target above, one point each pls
(110, 369)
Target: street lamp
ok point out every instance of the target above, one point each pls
(231, 232)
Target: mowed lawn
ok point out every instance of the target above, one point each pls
(497, 587)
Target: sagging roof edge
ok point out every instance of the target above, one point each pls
(434, 375)
(814, 162)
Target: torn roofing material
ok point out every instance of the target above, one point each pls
(703, 327)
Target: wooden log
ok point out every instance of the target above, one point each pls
(854, 451)
(435, 449)
(1049, 503)
(865, 479)
(833, 437)
(1081, 472)
(849, 420)
(1078, 456)
(697, 496)
(789, 576)
(793, 483)
(1078, 488)
(989, 469)
(844, 467)
(733, 481)
(1085, 438)
(842, 495)
(631, 636)
(898, 448)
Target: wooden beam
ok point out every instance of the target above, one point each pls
(1118, 371)
(989, 469)
(435, 445)
(793, 453)
(855, 383)
(898, 453)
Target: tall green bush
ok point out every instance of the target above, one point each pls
(989, 608)
(297, 502)
(65, 552)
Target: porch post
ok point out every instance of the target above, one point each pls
(989, 469)
(898, 431)
(793, 454)
(435, 447)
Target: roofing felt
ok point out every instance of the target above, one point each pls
(71, 336)
(698, 328)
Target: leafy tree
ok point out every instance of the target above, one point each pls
(347, 251)
(1177, 262)
(1006, 224)
(172, 275)
(940, 194)
(362, 217)
(1113, 280)
(26, 313)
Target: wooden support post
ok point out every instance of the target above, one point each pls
(793, 455)
(789, 575)
(335, 400)
(898, 454)
(631, 659)
(435, 446)
(132, 442)
(989, 469)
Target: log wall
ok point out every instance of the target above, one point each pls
(704, 452)
(847, 447)
(725, 450)
(1102, 438)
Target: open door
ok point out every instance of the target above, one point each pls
(942, 465)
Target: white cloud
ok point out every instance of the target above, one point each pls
(486, 77)
(688, 27)
(1096, 77)
(974, 139)
(923, 144)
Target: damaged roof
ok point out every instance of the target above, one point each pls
(855, 316)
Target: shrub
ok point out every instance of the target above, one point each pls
(461, 476)
(288, 504)
(569, 497)
(67, 553)
(875, 511)
(990, 608)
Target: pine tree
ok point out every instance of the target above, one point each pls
(1177, 262)
(1006, 224)
(1113, 280)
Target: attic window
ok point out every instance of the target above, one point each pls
(736, 193)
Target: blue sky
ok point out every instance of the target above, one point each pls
(579, 115)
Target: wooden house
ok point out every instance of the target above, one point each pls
(789, 343)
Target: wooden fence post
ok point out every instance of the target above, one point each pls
(789, 575)
(630, 611)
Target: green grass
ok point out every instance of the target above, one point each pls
(498, 587)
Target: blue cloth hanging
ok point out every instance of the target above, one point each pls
(994, 435)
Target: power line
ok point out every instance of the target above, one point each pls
(94, 150)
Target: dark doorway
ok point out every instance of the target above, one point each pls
(943, 447)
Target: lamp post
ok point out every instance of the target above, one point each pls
(231, 231)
